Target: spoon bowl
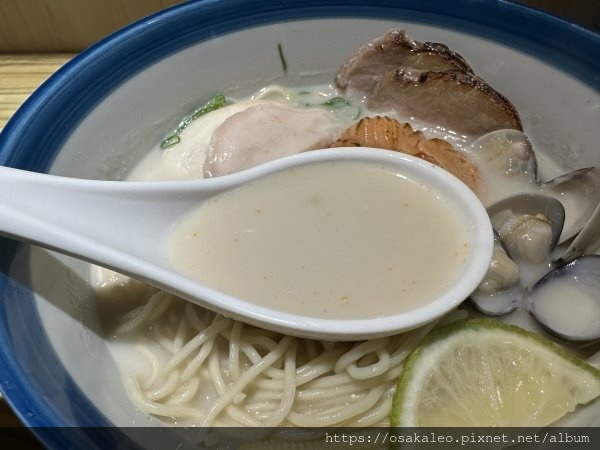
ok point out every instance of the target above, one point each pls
(120, 225)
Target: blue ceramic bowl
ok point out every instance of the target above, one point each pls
(99, 114)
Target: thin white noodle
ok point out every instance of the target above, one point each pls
(329, 382)
(239, 416)
(218, 325)
(234, 350)
(375, 416)
(261, 378)
(159, 409)
(269, 395)
(157, 304)
(226, 397)
(251, 352)
(195, 364)
(180, 336)
(187, 390)
(216, 376)
(262, 406)
(307, 396)
(160, 334)
(254, 357)
(338, 415)
(151, 379)
(321, 365)
(362, 349)
(171, 384)
(382, 365)
(252, 348)
(289, 388)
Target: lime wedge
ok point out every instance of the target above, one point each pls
(484, 373)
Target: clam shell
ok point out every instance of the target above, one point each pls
(509, 151)
(531, 205)
(587, 241)
(511, 155)
(579, 191)
(497, 304)
(566, 301)
(488, 299)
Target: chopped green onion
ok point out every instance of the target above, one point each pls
(282, 58)
(216, 103)
(170, 141)
(336, 103)
(219, 101)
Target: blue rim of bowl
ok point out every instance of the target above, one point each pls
(44, 121)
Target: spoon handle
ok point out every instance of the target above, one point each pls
(99, 221)
(54, 212)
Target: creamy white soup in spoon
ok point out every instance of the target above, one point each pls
(296, 241)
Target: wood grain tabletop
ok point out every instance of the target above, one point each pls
(21, 74)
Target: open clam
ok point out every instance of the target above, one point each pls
(587, 241)
(507, 152)
(508, 165)
(499, 292)
(527, 228)
(529, 225)
(566, 301)
(579, 192)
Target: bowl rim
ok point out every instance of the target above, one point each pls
(42, 118)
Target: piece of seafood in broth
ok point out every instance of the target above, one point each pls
(566, 301)
(579, 192)
(529, 225)
(587, 241)
(499, 293)
(508, 166)
(506, 153)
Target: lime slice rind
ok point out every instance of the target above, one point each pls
(485, 373)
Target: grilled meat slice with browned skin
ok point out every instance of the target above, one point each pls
(387, 133)
(426, 81)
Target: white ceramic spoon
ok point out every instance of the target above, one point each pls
(121, 225)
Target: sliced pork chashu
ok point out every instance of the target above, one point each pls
(363, 70)
(457, 101)
(266, 132)
(426, 81)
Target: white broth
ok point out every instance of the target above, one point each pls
(188, 366)
(335, 240)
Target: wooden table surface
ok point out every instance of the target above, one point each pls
(20, 75)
